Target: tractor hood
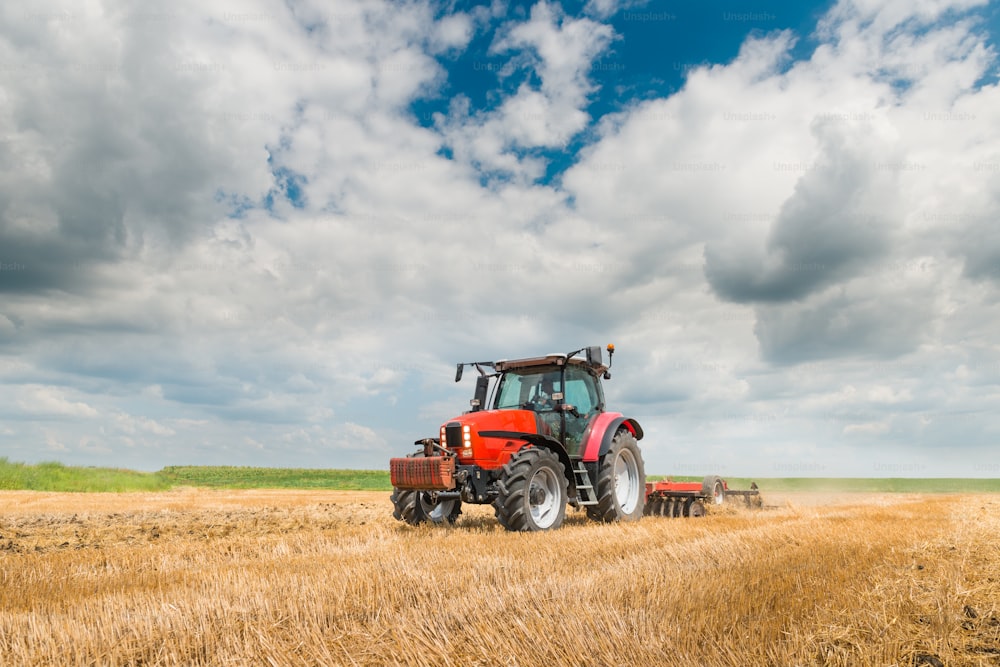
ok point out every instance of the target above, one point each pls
(466, 435)
(521, 421)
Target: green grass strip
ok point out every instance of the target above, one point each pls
(239, 477)
(54, 476)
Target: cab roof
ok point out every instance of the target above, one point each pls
(556, 359)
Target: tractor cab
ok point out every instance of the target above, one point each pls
(564, 392)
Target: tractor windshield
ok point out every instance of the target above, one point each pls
(530, 388)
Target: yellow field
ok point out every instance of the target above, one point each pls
(192, 577)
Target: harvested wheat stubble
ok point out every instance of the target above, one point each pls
(197, 577)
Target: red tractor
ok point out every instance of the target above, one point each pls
(545, 441)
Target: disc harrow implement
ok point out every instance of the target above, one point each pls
(688, 499)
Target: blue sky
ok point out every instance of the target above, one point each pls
(263, 233)
(655, 45)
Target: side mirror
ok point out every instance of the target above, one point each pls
(458, 372)
(482, 387)
(594, 356)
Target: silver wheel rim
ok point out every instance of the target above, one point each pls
(544, 487)
(718, 494)
(626, 481)
(436, 512)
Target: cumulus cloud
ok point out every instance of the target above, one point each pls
(51, 402)
(560, 50)
(840, 218)
(131, 425)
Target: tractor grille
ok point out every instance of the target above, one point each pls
(453, 434)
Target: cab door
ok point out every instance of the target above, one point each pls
(581, 394)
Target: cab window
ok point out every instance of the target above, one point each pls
(580, 390)
(517, 388)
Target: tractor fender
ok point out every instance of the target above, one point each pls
(543, 441)
(600, 433)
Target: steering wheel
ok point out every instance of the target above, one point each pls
(540, 405)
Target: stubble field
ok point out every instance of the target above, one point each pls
(205, 577)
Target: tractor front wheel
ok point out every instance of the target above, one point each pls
(416, 507)
(621, 482)
(532, 491)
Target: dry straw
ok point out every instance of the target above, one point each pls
(196, 577)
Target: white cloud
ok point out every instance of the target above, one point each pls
(452, 32)
(345, 436)
(51, 401)
(92, 446)
(604, 9)
(358, 436)
(870, 428)
(561, 51)
(53, 444)
(131, 425)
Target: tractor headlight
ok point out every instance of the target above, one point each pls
(467, 441)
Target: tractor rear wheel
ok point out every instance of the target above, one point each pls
(621, 482)
(416, 507)
(532, 491)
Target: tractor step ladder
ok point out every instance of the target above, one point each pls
(585, 494)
